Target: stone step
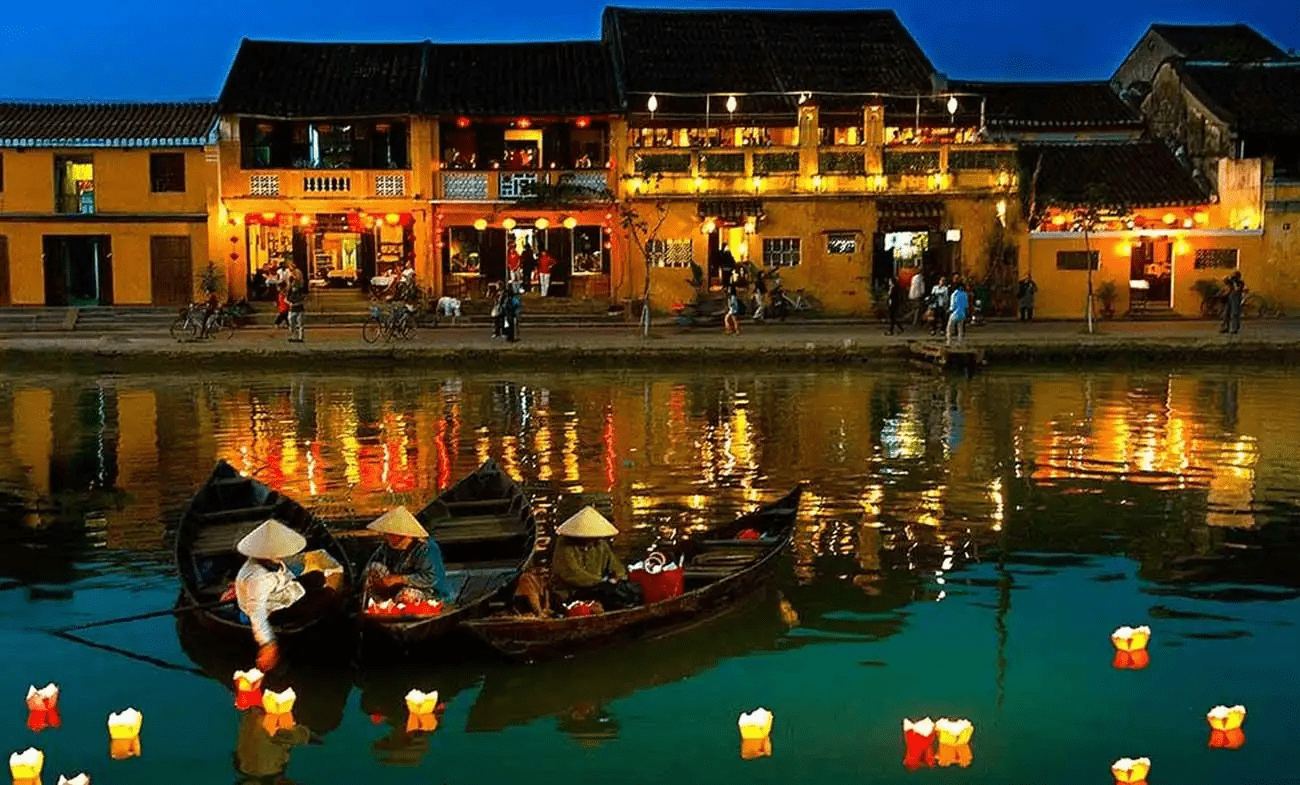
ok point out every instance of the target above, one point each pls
(36, 319)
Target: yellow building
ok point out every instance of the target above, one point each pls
(104, 204)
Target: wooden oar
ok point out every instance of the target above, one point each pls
(142, 616)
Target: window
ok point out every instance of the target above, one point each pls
(74, 184)
(670, 253)
(840, 243)
(366, 144)
(167, 172)
(1215, 259)
(1077, 260)
(781, 251)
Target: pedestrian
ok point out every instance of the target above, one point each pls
(916, 294)
(894, 302)
(939, 306)
(545, 263)
(731, 322)
(497, 296)
(296, 296)
(281, 304)
(958, 310)
(512, 263)
(1230, 286)
(512, 308)
(1025, 295)
(726, 265)
(527, 261)
(760, 295)
(1236, 301)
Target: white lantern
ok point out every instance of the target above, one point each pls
(541, 224)
(125, 725)
(421, 703)
(652, 104)
(731, 104)
(27, 765)
(279, 702)
(756, 724)
(952, 104)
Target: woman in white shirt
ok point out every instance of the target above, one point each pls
(265, 587)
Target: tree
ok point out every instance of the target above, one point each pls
(644, 233)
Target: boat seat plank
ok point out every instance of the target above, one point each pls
(261, 512)
(478, 527)
(469, 585)
(216, 540)
(472, 504)
(226, 481)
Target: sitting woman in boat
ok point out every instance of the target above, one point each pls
(407, 568)
(584, 567)
(268, 593)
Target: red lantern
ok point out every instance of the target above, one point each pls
(582, 122)
(462, 122)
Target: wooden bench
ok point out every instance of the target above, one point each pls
(478, 527)
(477, 504)
(217, 540)
(261, 513)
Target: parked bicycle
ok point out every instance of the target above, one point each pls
(396, 323)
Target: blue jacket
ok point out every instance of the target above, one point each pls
(960, 304)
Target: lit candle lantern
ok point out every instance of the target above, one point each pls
(1131, 638)
(1132, 660)
(125, 725)
(80, 779)
(43, 699)
(248, 688)
(918, 738)
(954, 732)
(279, 702)
(955, 755)
(1226, 718)
(756, 748)
(1131, 770)
(1227, 739)
(757, 724)
(421, 708)
(26, 766)
(121, 749)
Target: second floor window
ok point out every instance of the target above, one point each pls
(167, 172)
(324, 144)
(74, 184)
(670, 253)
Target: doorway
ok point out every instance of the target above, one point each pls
(1152, 261)
(171, 270)
(894, 250)
(78, 270)
(732, 239)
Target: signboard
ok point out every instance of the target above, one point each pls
(842, 243)
(333, 222)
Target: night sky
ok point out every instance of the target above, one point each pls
(163, 49)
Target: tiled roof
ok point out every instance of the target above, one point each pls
(1130, 174)
(1261, 98)
(1051, 104)
(574, 77)
(724, 52)
(284, 79)
(1230, 43)
(50, 124)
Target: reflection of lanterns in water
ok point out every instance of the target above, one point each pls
(1227, 739)
(248, 688)
(26, 766)
(918, 738)
(1226, 718)
(757, 724)
(1131, 638)
(756, 748)
(1131, 660)
(954, 732)
(1131, 770)
(421, 708)
(955, 755)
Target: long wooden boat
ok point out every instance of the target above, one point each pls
(719, 572)
(227, 507)
(485, 528)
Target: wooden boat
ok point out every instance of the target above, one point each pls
(227, 507)
(719, 572)
(485, 528)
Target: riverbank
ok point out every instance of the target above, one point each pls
(549, 348)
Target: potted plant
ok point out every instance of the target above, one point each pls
(1107, 294)
(210, 280)
(1211, 294)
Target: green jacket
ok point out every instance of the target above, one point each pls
(582, 563)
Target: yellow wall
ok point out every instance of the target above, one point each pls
(121, 181)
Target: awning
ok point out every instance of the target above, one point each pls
(731, 209)
(910, 208)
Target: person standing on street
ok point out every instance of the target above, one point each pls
(545, 263)
(1235, 305)
(916, 295)
(939, 306)
(894, 303)
(958, 310)
(296, 295)
(1025, 296)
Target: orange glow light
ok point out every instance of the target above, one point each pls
(582, 122)
(1169, 219)
(462, 122)
(268, 216)
(392, 219)
(524, 122)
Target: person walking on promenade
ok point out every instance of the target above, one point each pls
(545, 263)
(1235, 305)
(296, 296)
(1025, 295)
(527, 261)
(894, 303)
(731, 322)
(512, 308)
(939, 306)
(281, 304)
(958, 310)
(916, 295)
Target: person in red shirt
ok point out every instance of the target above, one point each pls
(545, 263)
(513, 263)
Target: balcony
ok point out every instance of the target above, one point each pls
(458, 185)
(334, 184)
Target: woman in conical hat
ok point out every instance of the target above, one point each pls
(584, 567)
(407, 567)
(268, 592)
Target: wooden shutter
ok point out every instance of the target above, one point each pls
(5, 297)
(171, 266)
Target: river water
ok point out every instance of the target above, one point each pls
(966, 547)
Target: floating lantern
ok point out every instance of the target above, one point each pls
(248, 689)
(26, 766)
(121, 749)
(1226, 718)
(421, 707)
(1131, 638)
(46, 697)
(1131, 770)
(756, 748)
(1131, 660)
(279, 702)
(125, 725)
(80, 779)
(481, 224)
(1227, 739)
(508, 224)
(954, 732)
(955, 755)
(571, 223)
(918, 738)
(757, 724)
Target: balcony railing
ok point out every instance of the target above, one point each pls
(355, 184)
(488, 186)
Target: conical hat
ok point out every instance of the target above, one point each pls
(587, 523)
(272, 540)
(399, 522)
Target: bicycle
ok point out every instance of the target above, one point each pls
(189, 325)
(398, 323)
(221, 323)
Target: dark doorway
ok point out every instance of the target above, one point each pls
(171, 269)
(1152, 261)
(493, 264)
(5, 297)
(78, 270)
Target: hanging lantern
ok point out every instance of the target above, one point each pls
(1188, 223)
(1226, 718)
(480, 224)
(1058, 220)
(571, 223)
(421, 711)
(26, 766)
(731, 104)
(81, 779)
(954, 732)
(652, 104)
(392, 219)
(524, 122)
(952, 104)
(699, 183)
(1131, 638)
(758, 183)
(817, 182)
(757, 724)
(1201, 217)
(508, 224)
(248, 689)
(269, 217)
(305, 220)
(462, 122)
(582, 122)
(279, 702)
(1129, 770)
(541, 224)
